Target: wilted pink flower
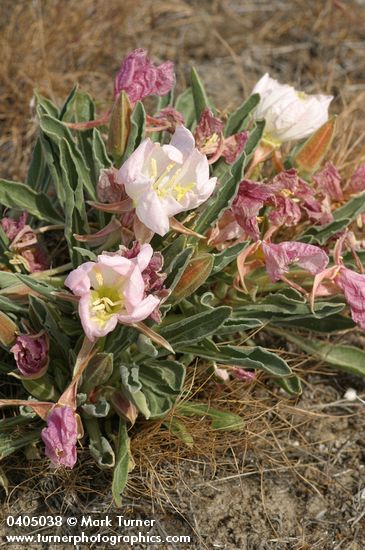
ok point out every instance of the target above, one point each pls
(286, 212)
(24, 244)
(166, 119)
(13, 227)
(112, 290)
(233, 146)
(139, 77)
(249, 200)
(292, 194)
(165, 180)
(352, 285)
(60, 437)
(107, 188)
(31, 353)
(278, 257)
(357, 181)
(152, 276)
(210, 140)
(328, 181)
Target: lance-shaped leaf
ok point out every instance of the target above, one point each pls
(8, 330)
(237, 121)
(185, 105)
(120, 126)
(99, 446)
(310, 155)
(162, 382)
(343, 357)
(221, 420)
(12, 442)
(195, 274)
(195, 328)
(123, 463)
(136, 133)
(98, 372)
(200, 97)
(42, 388)
(21, 197)
(224, 258)
(179, 430)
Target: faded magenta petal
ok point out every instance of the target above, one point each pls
(352, 285)
(357, 181)
(249, 200)
(328, 181)
(278, 258)
(60, 437)
(139, 77)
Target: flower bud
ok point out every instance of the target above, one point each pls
(31, 353)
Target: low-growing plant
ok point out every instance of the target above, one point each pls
(142, 244)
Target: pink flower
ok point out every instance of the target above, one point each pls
(107, 188)
(278, 257)
(352, 285)
(112, 290)
(249, 200)
(328, 181)
(357, 181)
(166, 119)
(210, 140)
(31, 353)
(152, 276)
(139, 77)
(24, 244)
(60, 437)
(13, 227)
(165, 180)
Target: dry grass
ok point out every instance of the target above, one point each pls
(317, 45)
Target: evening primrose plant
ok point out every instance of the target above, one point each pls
(140, 244)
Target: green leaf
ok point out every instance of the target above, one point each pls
(38, 174)
(122, 463)
(237, 121)
(61, 137)
(249, 357)
(177, 268)
(42, 388)
(136, 134)
(222, 197)
(12, 442)
(179, 430)
(185, 105)
(195, 328)
(224, 258)
(347, 358)
(99, 446)
(21, 197)
(162, 382)
(221, 420)
(98, 372)
(200, 97)
(254, 139)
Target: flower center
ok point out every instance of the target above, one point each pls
(166, 183)
(105, 300)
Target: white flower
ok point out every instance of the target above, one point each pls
(289, 114)
(163, 180)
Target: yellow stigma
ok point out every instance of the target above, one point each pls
(105, 302)
(302, 95)
(166, 183)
